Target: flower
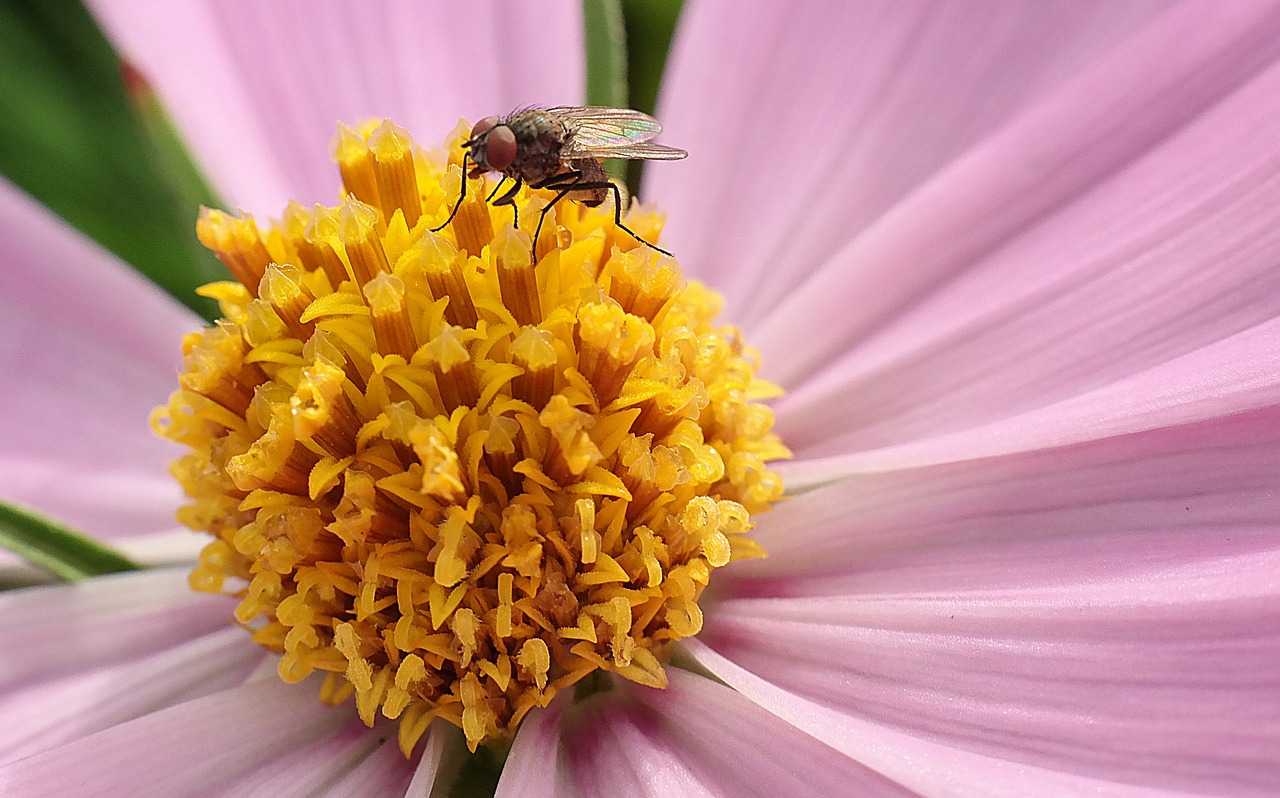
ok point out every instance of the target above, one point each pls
(454, 478)
(1016, 272)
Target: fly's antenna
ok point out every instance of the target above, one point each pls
(462, 194)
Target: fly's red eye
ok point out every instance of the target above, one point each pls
(500, 148)
(484, 126)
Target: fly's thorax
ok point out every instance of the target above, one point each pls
(540, 137)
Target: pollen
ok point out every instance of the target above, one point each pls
(448, 472)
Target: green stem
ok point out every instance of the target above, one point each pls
(606, 45)
(70, 555)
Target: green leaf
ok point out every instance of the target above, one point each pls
(606, 45)
(173, 161)
(650, 25)
(71, 136)
(68, 554)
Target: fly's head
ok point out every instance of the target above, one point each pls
(492, 146)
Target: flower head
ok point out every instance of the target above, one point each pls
(455, 479)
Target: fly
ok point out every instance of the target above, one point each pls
(560, 149)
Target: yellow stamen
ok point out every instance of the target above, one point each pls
(389, 314)
(316, 245)
(473, 225)
(533, 350)
(451, 477)
(393, 168)
(350, 150)
(237, 243)
(454, 372)
(445, 269)
(358, 230)
(642, 281)
(284, 288)
(515, 275)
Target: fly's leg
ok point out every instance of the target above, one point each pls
(563, 184)
(501, 183)
(508, 199)
(462, 194)
(617, 210)
(566, 183)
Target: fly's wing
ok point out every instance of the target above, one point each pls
(596, 125)
(645, 150)
(600, 132)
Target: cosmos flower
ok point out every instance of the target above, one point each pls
(1014, 266)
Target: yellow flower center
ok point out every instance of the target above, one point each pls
(453, 480)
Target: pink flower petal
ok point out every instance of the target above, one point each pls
(694, 738)
(49, 712)
(605, 746)
(88, 347)
(430, 755)
(179, 547)
(736, 748)
(1122, 221)
(385, 771)
(350, 760)
(102, 621)
(1159, 675)
(58, 691)
(615, 748)
(182, 51)
(1098, 510)
(1108, 610)
(922, 764)
(536, 768)
(258, 88)
(1235, 375)
(836, 111)
(197, 747)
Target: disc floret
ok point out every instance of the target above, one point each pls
(451, 478)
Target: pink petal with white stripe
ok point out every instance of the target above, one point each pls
(1171, 253)
(694, 738)
(1235, 375)
(736, 748)
(922, 764)
(536, 766)
(430, 757)
(1098, 510)
(1122, 642)
(258, 88)
(350, 760)
(835, 111)
(1162, 677)
(1080, 206)
(88, 348)
(102, 621)
(50, 711)
(209, 745)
